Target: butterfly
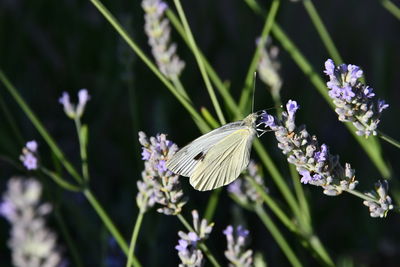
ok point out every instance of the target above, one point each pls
(218, 157)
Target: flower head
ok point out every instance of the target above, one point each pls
(29, 155)
(158, 184)
(187, 246)
(158, 31)
(236, 241)
(268, 68)
(314, 163)
(383, 203)
(353, 99)
(70, 109)
(31, 242)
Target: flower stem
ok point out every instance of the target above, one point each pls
(269, 21)
(392, 8)
(135, 234)
(109, 224)
(323, 33)
(200, 63)
(82, 137)
(202, 246)
(60, 181)
(277, 235)
(389, 139)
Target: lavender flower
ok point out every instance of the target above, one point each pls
(385, 202)
(314, 163)
(31, 243)
(70, 109)
(159, 185)
(29, 155)
(236, 253)
(353, 99)
(187, 246)
(268, 68)
(158, 31)
(243, 190)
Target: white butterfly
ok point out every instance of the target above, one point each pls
(217, 158)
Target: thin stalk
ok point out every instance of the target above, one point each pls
(361, 195)
(60, 181)
(123, 33)
(200, 63)
(392, 8)
(135, 234)
(82, 137)
(269, 21)
(322, 31)
(277, 235)
(110, 225)
(68, 239)
(202, 246)
(178, 85)
(39, 126)
(226, 96)
(389, 139)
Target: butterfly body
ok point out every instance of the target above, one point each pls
(218, 157)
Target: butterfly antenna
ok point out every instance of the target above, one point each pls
(254, 91)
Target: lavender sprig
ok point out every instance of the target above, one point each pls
(29, 156)
(187, 247)
(236, 241)
(382, 207)
(74, 111)
(159, 185)
(31, 243)
(158, 31)
(242, 188)
(353, 99)
(313, 162)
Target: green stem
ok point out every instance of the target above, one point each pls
(389, 139)
(277, 235)
(196, 52)
(135, 234)
(323, 33)
(361, 195)
(178, 85)
(269, 21)
(109, 224)
(11, 121)
(230, 102)
(298, 188)
(82, 137)
(70, 243)
(392, 8)
(60, 181)
(122, 32)
(212, 204)
(202, 246)
(39, 126)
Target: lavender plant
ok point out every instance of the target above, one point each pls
(31, 243)
(236, 242)
(354, 100)
(158, 31)
(188, 251)
(159, 185)
(29, 156)
(314, 163)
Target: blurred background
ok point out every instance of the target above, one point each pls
(47, 47)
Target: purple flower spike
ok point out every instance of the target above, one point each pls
(236, 252)
(29, 156)
(292, 107)
(353, 99)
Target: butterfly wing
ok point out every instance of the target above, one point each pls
(184, 161)
(224, 161)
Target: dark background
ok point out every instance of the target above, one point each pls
(47, 47)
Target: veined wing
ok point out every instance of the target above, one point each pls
(224, 162)
(184, 161)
